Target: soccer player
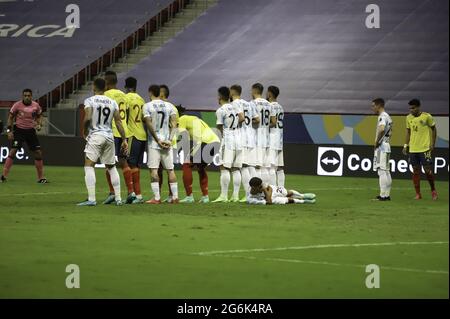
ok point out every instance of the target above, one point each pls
(248, 136)
(121, 100)
(203, 144)
(138, 140)
(229, 117)
(382, 154)
(161, 123)
(276, 173)
(265, 194)
(23, 121)
(263, 108)
(100, 111)
(164, 95)
(421, 134)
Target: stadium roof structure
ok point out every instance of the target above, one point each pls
(320, 53)
(39, 52)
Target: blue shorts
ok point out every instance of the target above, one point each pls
(136, 149)
(117, 147)
(421, 159)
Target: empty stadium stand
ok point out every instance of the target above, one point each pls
(320, 53)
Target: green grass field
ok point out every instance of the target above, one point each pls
(221, 250)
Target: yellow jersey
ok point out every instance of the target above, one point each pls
(198, 130)
(135, 123)
(420, 128)
(121, 100)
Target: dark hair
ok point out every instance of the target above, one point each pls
(111, 77)
(274, 90)
(27, 90)
(100, 84)
(258, 87)
(130, 83)
(154, 90)
(414, 102)
(181, 109)
(224, 93)
(379, 102)
(236, 88)
(165, 87)
(255, 182)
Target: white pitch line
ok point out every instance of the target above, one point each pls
(217, 252)
(440, 272)
(46, 193)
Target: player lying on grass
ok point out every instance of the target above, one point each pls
(265, 194)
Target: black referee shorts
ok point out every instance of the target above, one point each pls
(28, 136)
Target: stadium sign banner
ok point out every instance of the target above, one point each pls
(307, 159)
(353, 161)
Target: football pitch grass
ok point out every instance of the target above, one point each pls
(221, 250)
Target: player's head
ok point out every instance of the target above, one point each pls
(223, 95)
(272, 93)
(154, 91)
(257, 90)
(164, 91)
(99, 86)
(414, 107)
(256, 185)
(27, 96)
(111, 79)
(377, 105)
(130, 84)
(181, 109)
(235, 91)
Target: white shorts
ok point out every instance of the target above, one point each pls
(278, 192)
(157, 157)
(381, 160)
(276, 158)
(100, 148)
(230, 158)
(263, 157)
(249, 156)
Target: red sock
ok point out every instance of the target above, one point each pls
(430, 178)
(187, 178)
(136, 174)
(7, 166)
(108, 179)
(128, 176)
(39, 168)
(203, 180)
(416, 180)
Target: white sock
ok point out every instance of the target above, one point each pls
(382, 181)
(115, 181)
(280, 178)
(273, 176)
(296, 194)
(388, 185)
(252, 171)
(298, 201)
(236, 183)
(265, 175)
(155, 190)
(245, 173)
(174, 189)
(89, 178)
(224, 182)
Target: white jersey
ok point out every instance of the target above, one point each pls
(228, 116)
(160, 113)
(248, 133)
(103, 109)
(276, 133)
(262, 132)
(385, 119)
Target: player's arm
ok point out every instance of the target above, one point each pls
(173, 126)
(273, 121)
(268, 195)
(9, 125)
(87, 121)
(380, 134)
(151, 129)
(241, 118)
(407, 138)
(121, 130)
(219, 122)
